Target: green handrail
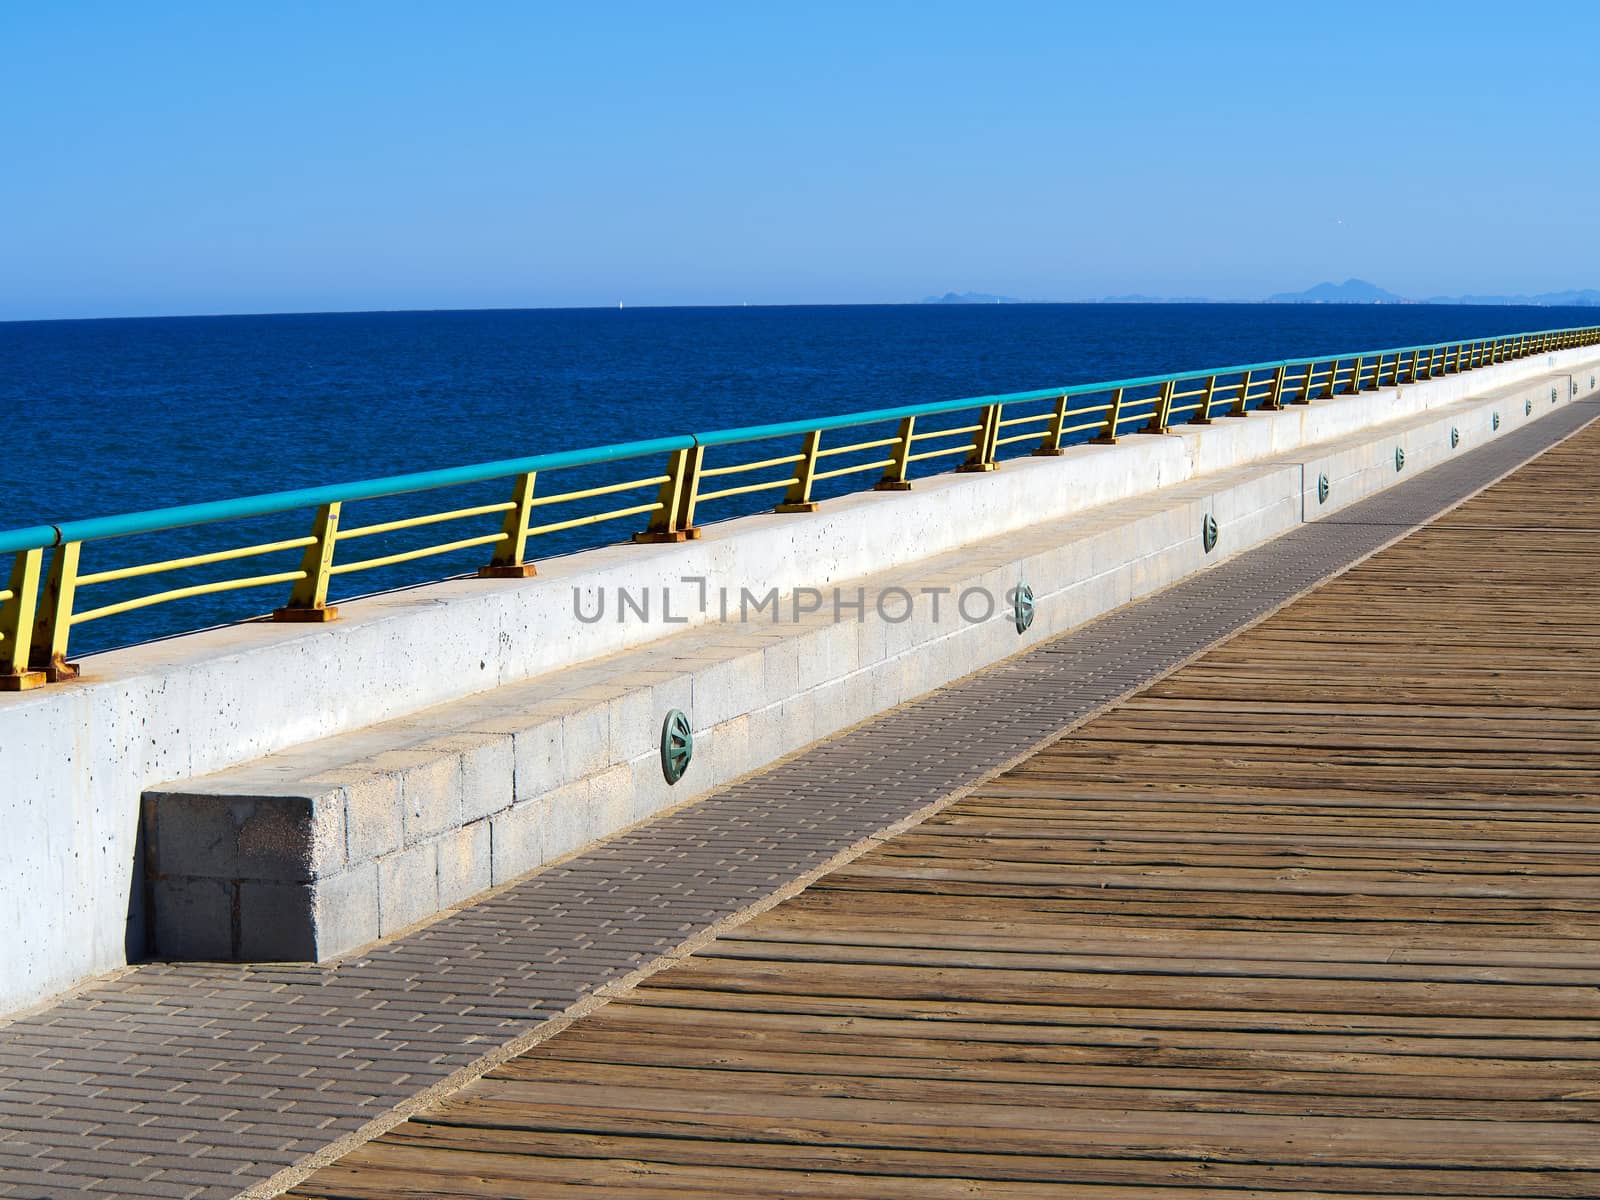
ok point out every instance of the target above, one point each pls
(38, 608)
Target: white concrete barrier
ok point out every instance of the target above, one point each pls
(1115, 523)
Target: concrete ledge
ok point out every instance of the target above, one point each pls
(75, 757)
(313, 851)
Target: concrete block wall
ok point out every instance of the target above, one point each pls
(75, 757)
(320, 849)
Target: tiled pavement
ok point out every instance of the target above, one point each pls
(204, 1080)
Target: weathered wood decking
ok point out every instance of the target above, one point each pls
(1316, 916)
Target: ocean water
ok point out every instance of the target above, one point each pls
(113, 416)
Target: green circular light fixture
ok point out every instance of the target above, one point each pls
(677, 745)
(1323, 488)
(1455, 437)
(1208, 533)
(1022, 607)
(1527, 408)
(1399, 459)
(1496, 422)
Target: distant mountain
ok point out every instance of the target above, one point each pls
(1136, 298)
(1359, 291)
(970, 298)
(1582, 298)
(1351, 291)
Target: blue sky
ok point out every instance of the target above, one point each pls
(190, 158)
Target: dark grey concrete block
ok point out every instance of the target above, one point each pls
(192, 918)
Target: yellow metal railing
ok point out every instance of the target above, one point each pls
(41, 605)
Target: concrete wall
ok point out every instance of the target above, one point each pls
(74, 757)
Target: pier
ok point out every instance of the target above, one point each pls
(1248, 849)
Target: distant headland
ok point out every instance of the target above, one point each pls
(970, 298)
(1351, 291)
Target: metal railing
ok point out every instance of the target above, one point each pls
(665, 482)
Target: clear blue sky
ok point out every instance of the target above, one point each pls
(185, 158)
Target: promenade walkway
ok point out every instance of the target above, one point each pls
(1317, 915)
(1248, 925)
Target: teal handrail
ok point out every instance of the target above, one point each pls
(37, 612)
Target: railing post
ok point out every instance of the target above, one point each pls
(1243, 398)
(1414, 357)
(982, 456)
(1162, 412)
(1355, 377)
(1333, 378)
(1050, 446)
(308, 601)
(797, 499)
(1202, 415)
(673, 520)
(895, 474)
(1305, 385)
(1274, 400)
(1108, 434)
(507, 560)
(52, 625)
(16, 622)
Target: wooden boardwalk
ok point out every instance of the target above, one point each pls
(1316, 916)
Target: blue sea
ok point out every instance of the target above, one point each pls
(109, 416)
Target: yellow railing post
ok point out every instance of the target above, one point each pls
(894, 475)
(1162, 412)
(16, 622)
(1305, 385)
(308, 600)
(1355, 377)
(1274, 400)
(1202, 415)
(1050, 446)
(673, 520)
(982, 455)
(1108, 433)
(1333, 378)
(1415, 355)
(52, 625)
(798, 498)
(507, 560)
(1243, 398)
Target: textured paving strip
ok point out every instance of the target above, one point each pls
(205, 1080)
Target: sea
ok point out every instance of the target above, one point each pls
(111, 416)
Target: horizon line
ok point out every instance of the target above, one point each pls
(926, 303)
